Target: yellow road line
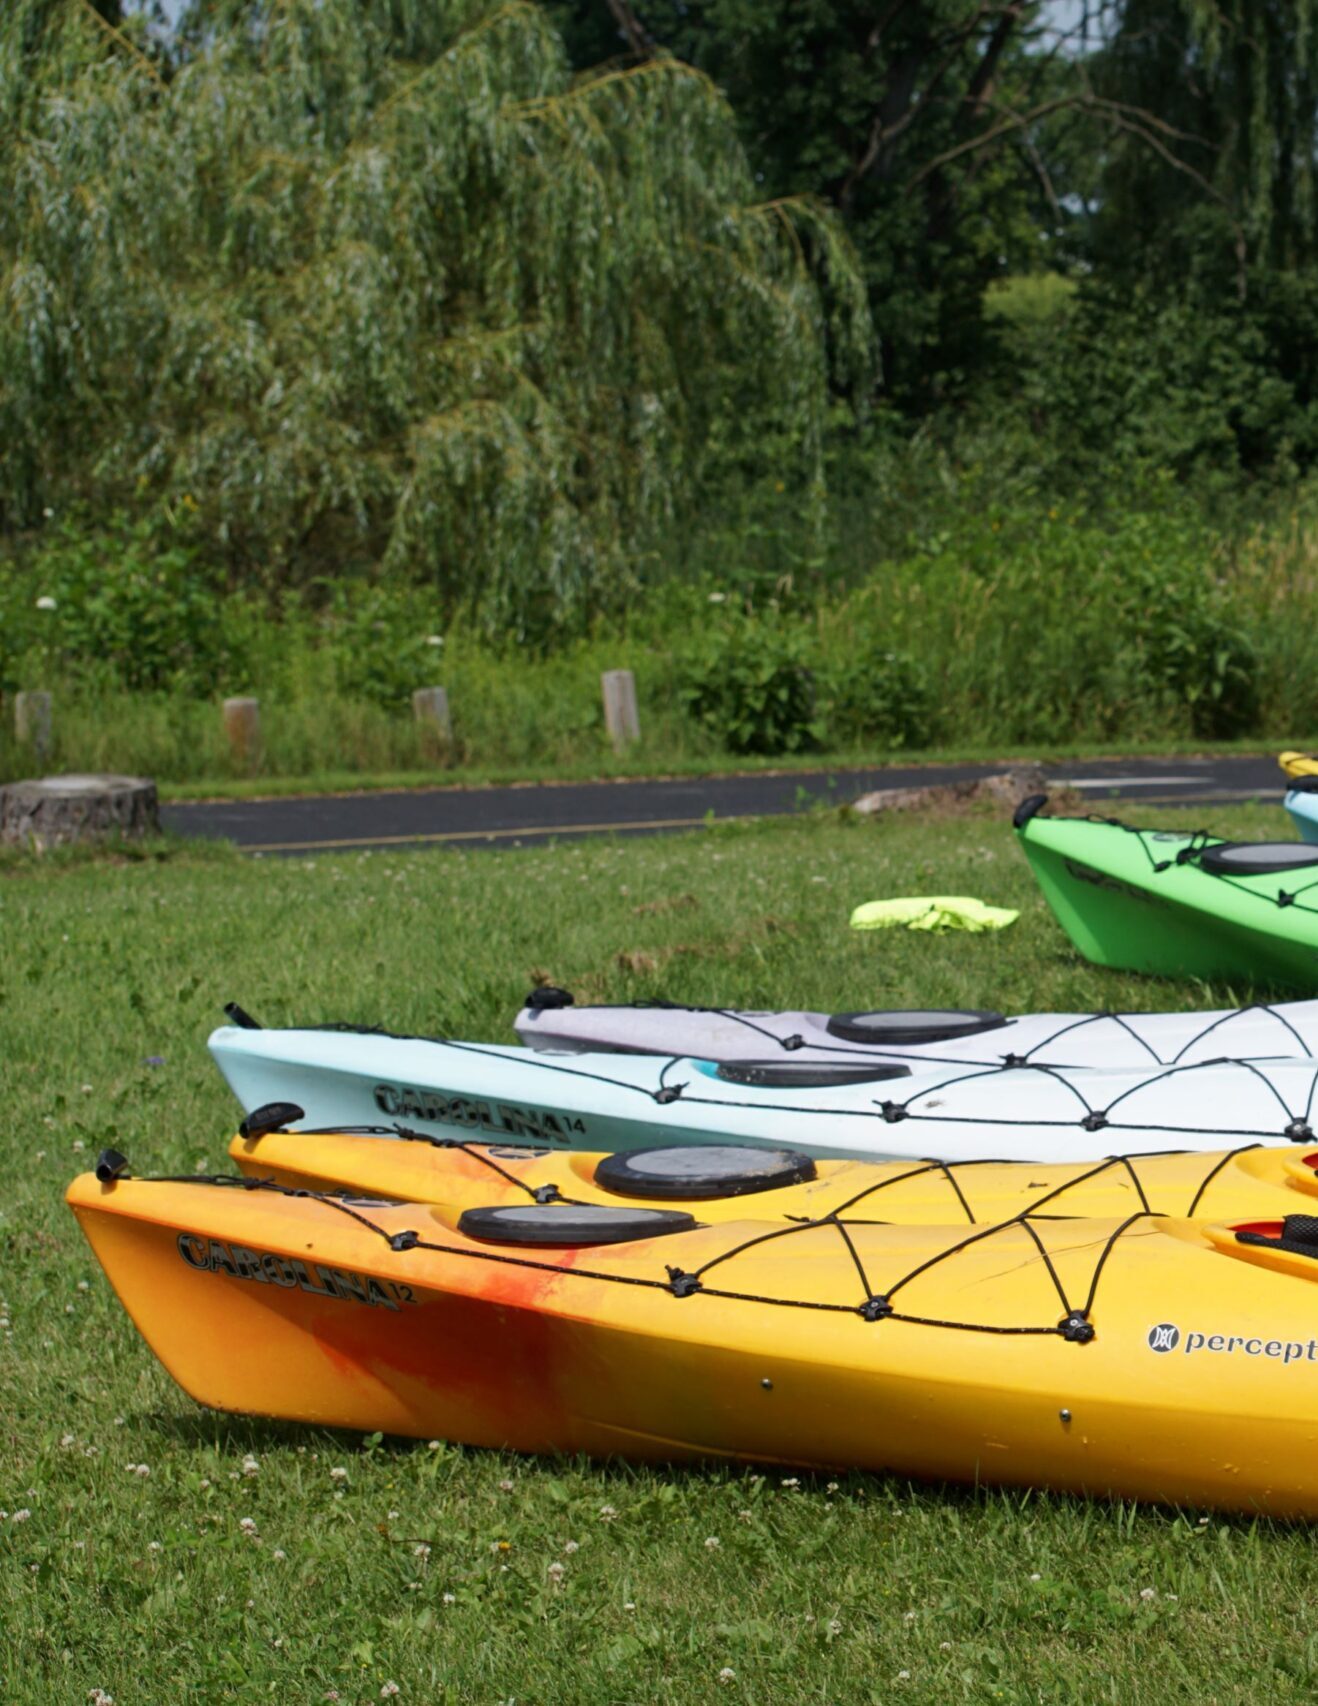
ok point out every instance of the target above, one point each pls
(472, 835)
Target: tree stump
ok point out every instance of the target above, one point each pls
(55, 811)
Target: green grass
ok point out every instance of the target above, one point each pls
(145, 1585)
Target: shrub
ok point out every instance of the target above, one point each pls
(750, 684)
(878, 694)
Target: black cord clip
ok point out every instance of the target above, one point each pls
(875, 1309)
(1299, 1131)
(1284, 899)
(1076, 1329)
(1014, 1060)
(547, 1193)
(404, 1240)
(893, 1111)
(682, 1284)
(669, 1093)
(1093, 1121)
(794, 1041)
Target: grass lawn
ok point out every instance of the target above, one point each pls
(124, 1565)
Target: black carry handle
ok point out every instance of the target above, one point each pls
(240, 1017)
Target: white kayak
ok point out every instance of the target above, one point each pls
(447, 1090)
(1289, 1030)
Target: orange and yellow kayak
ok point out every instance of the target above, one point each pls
(1147, 1358)
(728, 1182)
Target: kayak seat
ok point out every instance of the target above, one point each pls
(1299, 1236)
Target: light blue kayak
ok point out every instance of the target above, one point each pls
(486, 1093)
(1302, 803)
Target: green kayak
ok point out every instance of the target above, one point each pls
(1180, 905)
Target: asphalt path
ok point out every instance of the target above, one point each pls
(527, 814)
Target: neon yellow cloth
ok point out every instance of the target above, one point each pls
(932, 912)
(1298, 764)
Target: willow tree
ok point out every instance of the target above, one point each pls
(381, 281)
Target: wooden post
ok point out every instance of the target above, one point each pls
(242, 724)
(430, 708)
(33, 722)
(620, 716)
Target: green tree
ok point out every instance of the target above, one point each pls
(380, 281)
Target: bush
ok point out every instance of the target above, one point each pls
(750, 684)
(878, 694)
(134, 594)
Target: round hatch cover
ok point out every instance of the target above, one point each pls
(804, 1074)
(1257, 858)
(709, 1171)
(588, 1223)
(896, 1025)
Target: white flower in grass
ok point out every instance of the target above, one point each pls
(389, 1690)
(338, 1474)
(556, 1572)
(66, 1440)
(727, 1674)
(791, 1481)
(1148, 1593)
(834, 1626)
(98, 1696)
(908, 1617)
(21, 1516)
(945, 1646)
(713, 1543)
(279, 1555)
(608, 1513)
(505, 1486)
(1035, 1576)
(421, 1550)
(903, 1676)
(449, 1598)
(154, 1546)
(251, 1466)
(248, 1526)
(571, 1546)
(629, 1605)
(46, 602)
(434, 639)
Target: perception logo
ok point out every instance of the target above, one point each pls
(1167, 1337)
(1164, 1337)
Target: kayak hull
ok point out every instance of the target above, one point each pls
(1044, 1039)
(627, 1102)
(288, 1307)
(1138, 900)
(1253, 1183)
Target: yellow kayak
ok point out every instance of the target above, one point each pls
(1298, 763)
(728, 1182)
(1145, 1358)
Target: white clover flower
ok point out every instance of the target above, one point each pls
(1036, 1577)
(432, 1445)
(434, 639)
(46, 602)
(746, 1516)
(21, 1516)
(1148, 1593)
(279, 1555)
(712, 1544)
(718, 597)
(791, 1481)
(388, 1691)
(505, 1486)
(247, 1524)
(556, 1572)
(66, 1440)
(945, 1646)
(608, 1513)
(903, 1676)
(629, 1605)
(251, 1466)
(727, 1674)
(831, 1487)
(338, 1474)
(421, 1550)
(571, 1546)
(449, 1598)
(834, 1626)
